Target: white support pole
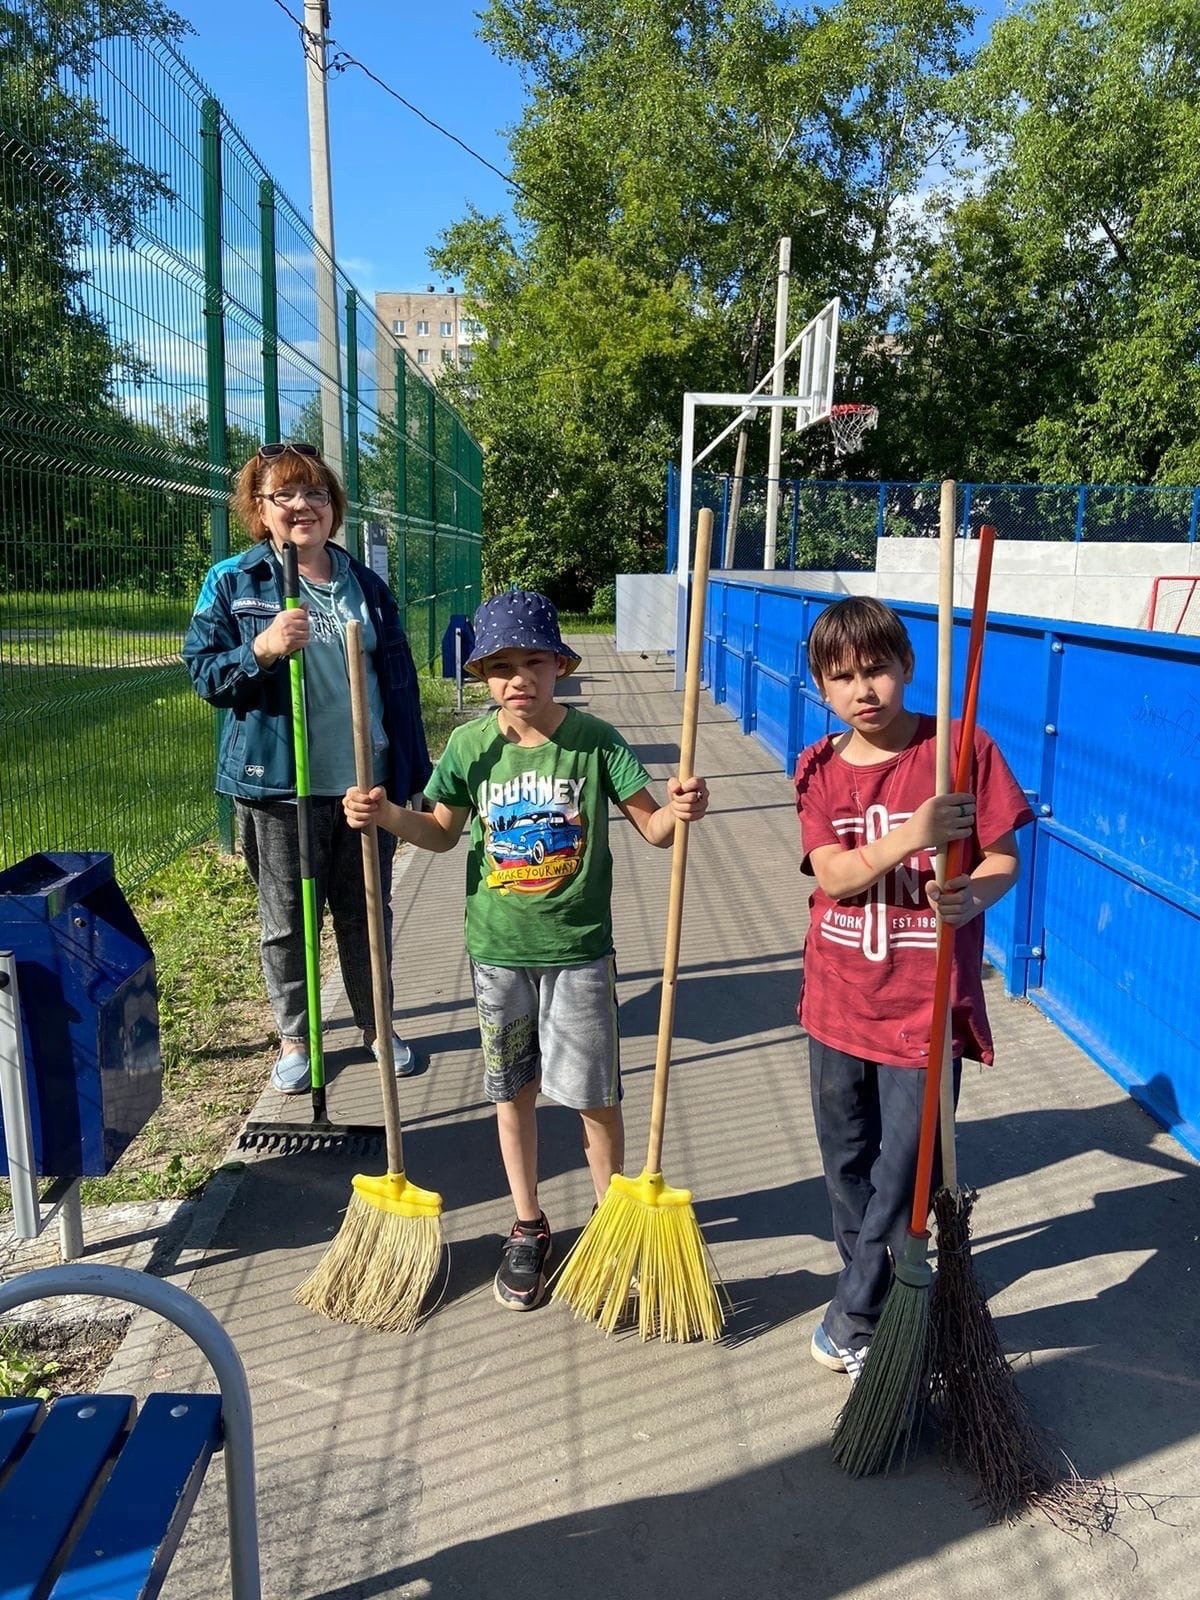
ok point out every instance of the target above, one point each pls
(775, 449)
(683, 541)
(14, 1106)
(316, 22)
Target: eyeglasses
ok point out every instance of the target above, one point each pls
(272, 452)
(316, 498)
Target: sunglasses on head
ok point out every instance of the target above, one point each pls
(270, 452)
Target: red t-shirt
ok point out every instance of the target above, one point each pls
(867, 987)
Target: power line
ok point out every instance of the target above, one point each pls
(341, 59)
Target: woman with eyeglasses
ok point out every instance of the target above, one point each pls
(237, 649)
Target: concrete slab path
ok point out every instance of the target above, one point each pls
(501, 1456)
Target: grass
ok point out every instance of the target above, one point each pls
(584, 622)
(200, 917)
(22, 1369)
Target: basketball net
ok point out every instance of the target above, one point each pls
(848, 424)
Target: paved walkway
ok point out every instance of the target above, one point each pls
(497, 1456)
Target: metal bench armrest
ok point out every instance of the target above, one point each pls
(120, 1283)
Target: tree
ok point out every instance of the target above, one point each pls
(66, 184)
(1050, 326)
(67, 188)
(662, 153)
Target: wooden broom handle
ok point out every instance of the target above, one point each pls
(364, 772)
(945, 939)
(679, 844)
(947, 517)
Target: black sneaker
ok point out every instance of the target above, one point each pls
(520, 1280)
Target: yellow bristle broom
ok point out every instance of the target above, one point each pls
(385, 1257)
(644, 1238)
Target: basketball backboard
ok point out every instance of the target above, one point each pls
(817, 353)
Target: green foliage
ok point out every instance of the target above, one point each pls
(22, 1371)
(661, 154)
(1049, 311)
(199, 959)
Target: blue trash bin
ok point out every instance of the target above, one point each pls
(89, 1011)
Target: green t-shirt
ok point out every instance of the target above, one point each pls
(539, 877)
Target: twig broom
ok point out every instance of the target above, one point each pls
(383, 1261)
(644, 1231)
(885, 1404)
(984, 1421)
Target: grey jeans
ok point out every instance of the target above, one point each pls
(271, 847)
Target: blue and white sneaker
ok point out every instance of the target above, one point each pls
(837, 1357)
(292, 1074)
(404, 1060)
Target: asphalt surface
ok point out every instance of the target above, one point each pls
(499, 1455)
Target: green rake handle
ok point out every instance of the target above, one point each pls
(308, 884)
(945, 939)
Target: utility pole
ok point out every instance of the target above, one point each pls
(316, 26)
(775, 450)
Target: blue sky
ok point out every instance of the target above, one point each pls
(396, 182)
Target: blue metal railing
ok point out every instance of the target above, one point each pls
(834, 524)
(1101, 729)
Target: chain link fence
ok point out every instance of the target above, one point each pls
(160, 318)
(833, 526)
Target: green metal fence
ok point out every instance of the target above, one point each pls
(159, 316)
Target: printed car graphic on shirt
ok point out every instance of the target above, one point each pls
(534, 837)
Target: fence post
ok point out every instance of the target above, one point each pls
(270, 311)
(353, 520)
(1195, 516)
(965, 524)
(431, 601)
(401, 489)
(881, 513)
(724, 514)
(1080, 507)
(214, 352)
(795, 525)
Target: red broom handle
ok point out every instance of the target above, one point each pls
(954, 862)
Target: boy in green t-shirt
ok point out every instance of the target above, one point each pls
(535, 780)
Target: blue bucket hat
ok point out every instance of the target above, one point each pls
(518, 620)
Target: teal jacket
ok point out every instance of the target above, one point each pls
(239, 598)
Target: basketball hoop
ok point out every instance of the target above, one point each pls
(848, 424)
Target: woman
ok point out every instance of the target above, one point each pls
(237, 650)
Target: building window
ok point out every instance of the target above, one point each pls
(447, 355)
(471, 328)
(398, 326)
(422, 330)
(446, 329)
(422, 358)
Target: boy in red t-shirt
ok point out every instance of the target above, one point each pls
(870, 825)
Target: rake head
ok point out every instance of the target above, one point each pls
(325, 1138)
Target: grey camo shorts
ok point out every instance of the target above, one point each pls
(558, 1024)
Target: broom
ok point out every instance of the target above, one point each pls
(380, 1266)
(885, 1403)
(984, 1421)
(643, 1231)
(320, 1134)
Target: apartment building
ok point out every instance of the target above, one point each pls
(431, 325)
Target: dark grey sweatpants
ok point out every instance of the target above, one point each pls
(271, 847)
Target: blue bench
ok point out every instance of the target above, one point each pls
(94, 1496)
